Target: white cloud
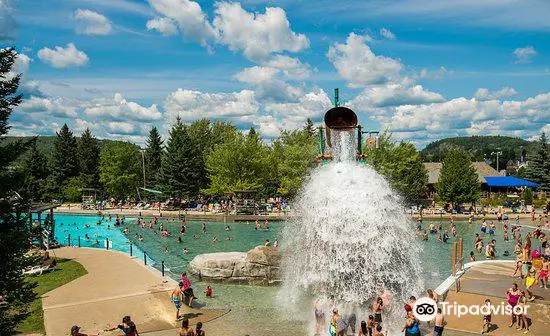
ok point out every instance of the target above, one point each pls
(484, 94)
(192, 105)
(21, 63)
(257, 35)
(165, 26)
(121, 127)
(290, 116)
(63, 57)
(436, 74)
(292, 67)
(525, 55)
(188, 15)
(56, 107)
(393, 95)
(268, 84)
(359, 66)
(119, 109)
(256, 75)
(462, 116)
(92, 23)
(387, 34)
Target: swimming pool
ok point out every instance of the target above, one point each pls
(252, 307)
(84, 231)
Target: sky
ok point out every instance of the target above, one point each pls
(421, 69)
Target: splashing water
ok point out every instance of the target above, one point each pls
(349, 242)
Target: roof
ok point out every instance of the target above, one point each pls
(482, 169)
(36, 208)
(508, 181)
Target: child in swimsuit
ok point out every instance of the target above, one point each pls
(487, 318)
(530, 280)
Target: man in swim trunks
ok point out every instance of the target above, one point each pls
(177, 297)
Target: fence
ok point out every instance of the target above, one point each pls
(133, 250)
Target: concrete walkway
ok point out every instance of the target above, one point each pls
(116, 285)
(490, 281)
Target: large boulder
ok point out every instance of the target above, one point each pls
(259, 266)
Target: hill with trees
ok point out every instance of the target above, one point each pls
(45, 143)
(479, 148)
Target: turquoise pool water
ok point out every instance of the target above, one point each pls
(252, 307)
(73, 227)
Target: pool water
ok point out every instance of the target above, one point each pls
(252, 307)
(73, 226)
(244, 237)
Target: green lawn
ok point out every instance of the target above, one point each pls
(66, 271)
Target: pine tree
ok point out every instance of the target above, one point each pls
(310, 129)
(14, 228)
(458, 180)
(65, 159)
(35, 165)
(181, 164)
(153, 156)
(88, 158)
(538, 169)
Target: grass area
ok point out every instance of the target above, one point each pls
(66, 271)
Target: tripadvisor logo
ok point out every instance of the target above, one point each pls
(425, 309)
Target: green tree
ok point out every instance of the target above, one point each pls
(240, 162)
(295, 154)
(310, 129)
(458, 180)
(528, 196)
(200, 133)
(14, 228)
(181, 164)
(65, 159)
(35, 166)
(153, 156)
(72, 189)
(538, 168)
(220, 132)
(88, 157)
(120, 169)
(401, 165)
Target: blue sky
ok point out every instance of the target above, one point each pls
(423, 69)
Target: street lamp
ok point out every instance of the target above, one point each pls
(143, 165)
(498, 153)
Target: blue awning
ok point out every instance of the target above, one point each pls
(508, 181)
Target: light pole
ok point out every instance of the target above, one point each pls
(498, 153)
(143, 165)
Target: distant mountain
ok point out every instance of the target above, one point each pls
(480, 149)
(45, 143)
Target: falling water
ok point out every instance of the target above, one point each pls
(349, 243)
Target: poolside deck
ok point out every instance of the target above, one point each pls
(116, 285)
(490, 281)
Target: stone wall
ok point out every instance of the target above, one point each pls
(259, 266)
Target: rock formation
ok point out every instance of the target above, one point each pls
(259, 266)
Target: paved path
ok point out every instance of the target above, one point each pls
(116, 285)
(490, 281)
